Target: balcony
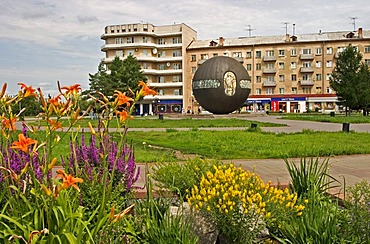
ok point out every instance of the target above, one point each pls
(162, 72)
(165, 84)
(306, 57)
(269, 83)
(269, 58)
(306, 70)
(239, 59)
(306, 82)
(269, 70)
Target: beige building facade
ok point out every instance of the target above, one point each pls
(160, 51)
(289, 73)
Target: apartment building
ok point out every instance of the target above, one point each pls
(289, 73)
(160, 50)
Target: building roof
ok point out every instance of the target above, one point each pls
(281, 39)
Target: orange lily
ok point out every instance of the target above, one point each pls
(145, 90)
(74, 89)
(123, 115)
(54, 124)
(122, 98)
(55, 100)
(23, 143)
(9, 124)
(68, 180)
(27, 90)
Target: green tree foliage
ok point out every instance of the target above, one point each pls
(124, 74)
(351, 79)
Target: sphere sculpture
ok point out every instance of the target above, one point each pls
(221, 85)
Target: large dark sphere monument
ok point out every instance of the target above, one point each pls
(221, 85)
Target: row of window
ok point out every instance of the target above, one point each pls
(281, 53)
(162, 79)
(176, 92)
(160, 41)
(293, 65)
(293, 77)
(146, 52)
(294, 90)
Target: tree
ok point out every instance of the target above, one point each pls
(350, 80)
(123, 75)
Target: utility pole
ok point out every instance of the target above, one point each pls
(353, 19)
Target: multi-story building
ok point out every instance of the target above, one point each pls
(160, 50)
(288, 73)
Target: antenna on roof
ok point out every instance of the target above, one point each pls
(286, 27)
(353, 22)
(249, 30)
(293, 29)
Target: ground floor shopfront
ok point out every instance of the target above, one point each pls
(325, 103)
(156, 106)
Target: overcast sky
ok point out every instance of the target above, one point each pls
(45, 41)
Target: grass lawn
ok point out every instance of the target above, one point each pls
(154, 122)
(355, 118)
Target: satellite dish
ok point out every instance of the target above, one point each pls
(168, 64)
(154, 51)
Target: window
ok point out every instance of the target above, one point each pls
(176, 66)
(145, 52)
(294, 90)
(176, 92)
(258, 54)
(270, 91)
(161, 92)
(367, 49)
(145, 39)
(281, 78)
(193, 58)
(145, 66)
(258, 79)
(119, 53)
(318, 77)
(215, 54)
(367, 61)
(306, 90)
(306, 51)
(318, 51)
(258, 66)
(176, 53)
(270, 78)
(318, 64)
(293, 52)
(328, 76)
(293, 65)
(161, 79)
(318, 89)
(237, 54)
(118, 40)
(249, 67)
(161, 54)
(329, 50)
(248, 54)
(204, 56)
(329, 90)
(193, 69)
(306, 64)
(270, 53)
(281, 90)
(306, 77)
(161, 66)
(270, 65)
(281, 53)
(226, 54)
(281, 65)
(135, 27)
(176, 78)
(329, 64)
(161, 41)
(130, 39)
(293, 77)
(258, 91)
(176, 40)
(130, 52)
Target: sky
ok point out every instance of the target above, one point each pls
(45, 41)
